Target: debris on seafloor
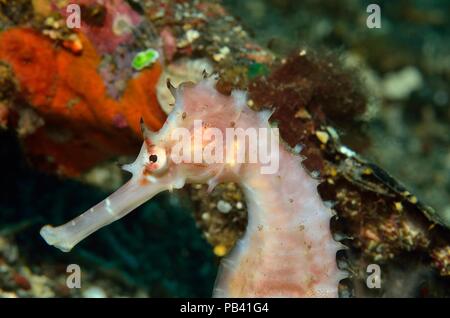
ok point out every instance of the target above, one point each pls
(22, 278)
(86, 107)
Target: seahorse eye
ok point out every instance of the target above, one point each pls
(153, 158)
(157, 159)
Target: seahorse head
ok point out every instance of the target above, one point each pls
(191, 147)
(198, 142)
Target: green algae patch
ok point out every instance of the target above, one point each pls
(256, 70)
(144, 59)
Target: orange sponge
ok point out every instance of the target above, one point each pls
(83, 126)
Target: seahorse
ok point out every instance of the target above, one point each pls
(287, 250)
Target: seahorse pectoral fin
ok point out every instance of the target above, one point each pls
(117, 205)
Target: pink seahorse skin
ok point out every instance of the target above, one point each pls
(287, 249)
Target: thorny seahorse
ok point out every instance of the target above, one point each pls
(287, 249)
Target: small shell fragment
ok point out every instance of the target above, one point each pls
(322, 136)
(224, 206)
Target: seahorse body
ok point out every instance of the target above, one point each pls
(287, 249)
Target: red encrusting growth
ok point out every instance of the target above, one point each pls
(81, 121)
